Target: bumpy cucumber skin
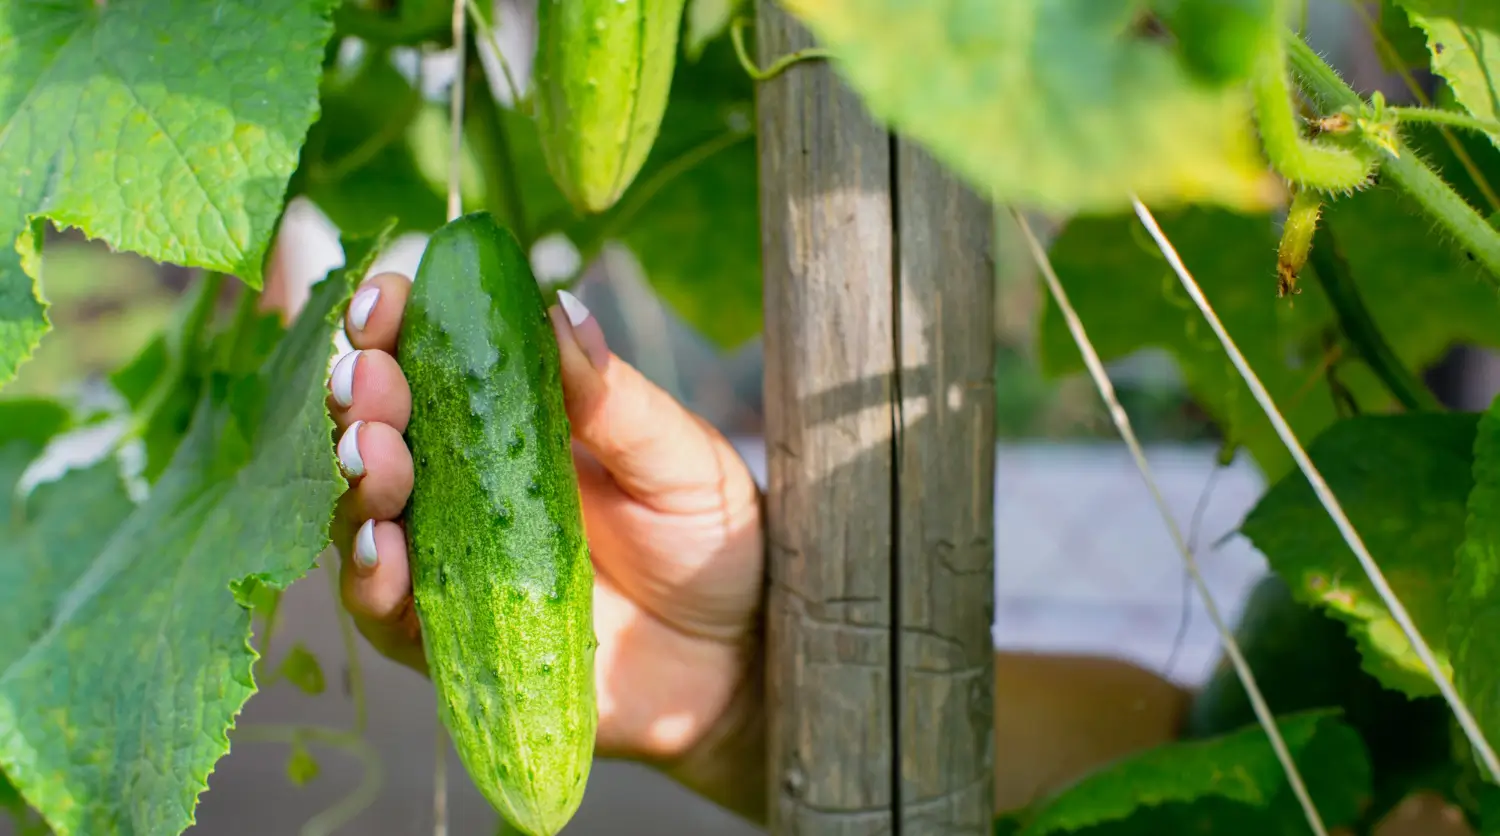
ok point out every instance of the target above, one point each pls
(603, 73)
(500, 565)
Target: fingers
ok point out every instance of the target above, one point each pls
(375, 586)
(373, 320)
(657, 451)
(367, 385)
(377, 463)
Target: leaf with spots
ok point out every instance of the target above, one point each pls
(165, 127)
(1060, 106)
(1231, 784)
(1404, 481)
(1463, 37)
(124, 629)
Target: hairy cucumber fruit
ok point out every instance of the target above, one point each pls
(500, 566)
(603, 72)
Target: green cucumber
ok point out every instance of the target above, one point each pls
(603, 73)
(500, 566)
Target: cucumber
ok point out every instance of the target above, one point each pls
(603, 73)
(500, 566)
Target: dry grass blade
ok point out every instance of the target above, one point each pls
(1325, 495)
(1122, 423)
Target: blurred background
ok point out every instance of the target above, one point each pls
(1084, 564)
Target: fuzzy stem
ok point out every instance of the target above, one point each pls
(1359, 327)
(1479, 240)
(1438, 116)
(1298, 159)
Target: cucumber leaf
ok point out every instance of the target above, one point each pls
(1463, 38)
(1232, 784)
(124, 629)
(1057, 106)
(1404, 481)
(1422, 293)
(165, 127)
(1474, 605)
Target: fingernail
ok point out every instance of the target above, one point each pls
(353, 463)
(343, 379)
(360, 307)
(364, 546)
(577, 312)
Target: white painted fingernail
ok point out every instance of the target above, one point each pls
(577, 312)
(354, 464)
(364, 545)
(343, 379)
(360, 307)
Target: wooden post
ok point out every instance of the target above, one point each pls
(879, 291)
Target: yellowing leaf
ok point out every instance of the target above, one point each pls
(1052, 105)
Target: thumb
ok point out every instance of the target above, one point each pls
(657, 452)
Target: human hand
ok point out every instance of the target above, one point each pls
(673, 519)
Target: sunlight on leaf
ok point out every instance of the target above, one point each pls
(1055, 106)
(165, 127)
(109, 610)
(1404, 481)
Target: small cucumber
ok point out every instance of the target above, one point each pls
(603, 73)
(500, 565)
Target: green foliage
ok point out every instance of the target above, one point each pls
(88, 628)
(1016, 96)
(1404, 481)
(301, 668)
(177, 131)
(1474, 614)
(1464, 39)
(1232, 784)
(212, 120)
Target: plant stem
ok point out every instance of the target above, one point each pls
(1359, 328)
(780, 65)
(1296, 239)
(1307, 164)
(351, 651)
(487, 136)
(1438, 116)
(488, 31)
(351, 805)
(1475, 235)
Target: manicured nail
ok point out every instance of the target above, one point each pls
(577, 312)
(354, 464)
(364, 546)
(360, 307)
(343, 379)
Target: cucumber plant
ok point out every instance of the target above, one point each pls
(1346, 237)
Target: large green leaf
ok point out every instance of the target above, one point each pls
(1423, 295)
(1232, 784)
(124, 634)
(1463, 37)
(1056, 106)
(1474, 606)
(165, 127)
(1403, 480)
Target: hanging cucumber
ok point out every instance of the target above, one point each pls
(603, 71)
(500, 566)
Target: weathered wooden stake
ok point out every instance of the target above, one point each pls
(879, 298)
